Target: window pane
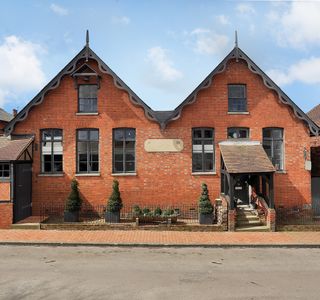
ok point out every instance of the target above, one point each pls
(88, 91)
(57, 166)
(118, 144)
(47, 167)
(94, 166)
(83, 167)
(6, 174)
(46, 135)
(130, 145)
(208, 164)
(130, 156)
(267, 133)
(57, 148)
(130, 166)
(83, 135)
(118, 157)
(236, 91)
(196, 162)
(118, 134)
(277, 133)
(243, 133)
(197, 133)
(83, 157)
(130, 134)
(208, 133)
(57, 134)
(118, 166)
(94, 135)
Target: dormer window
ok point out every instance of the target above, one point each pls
(87, 102)
(237, 98)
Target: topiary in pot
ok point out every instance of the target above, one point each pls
(157, 212)
(114, 204)
(205, 206)
(136, 211)
(73, 203)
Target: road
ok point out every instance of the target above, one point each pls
(28, 272)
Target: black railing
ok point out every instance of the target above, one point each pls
(183, 213)
(301, 214)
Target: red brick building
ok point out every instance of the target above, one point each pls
(87, 123)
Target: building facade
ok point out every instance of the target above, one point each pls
(88, 124)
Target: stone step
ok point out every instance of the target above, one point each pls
(248, 222)
(261, 228)
(251, 217)
(26, 226)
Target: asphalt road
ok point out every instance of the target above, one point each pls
(166, 273)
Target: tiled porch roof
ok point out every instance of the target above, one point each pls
(245, 157)
(11, 149)
(314, 114)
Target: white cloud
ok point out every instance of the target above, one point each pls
(162, 65)
(59, 10)
(223, 20)
(20, 68)
(306, 71)
(123, 20)
(206, 41)
(298, 24)
(245, 9)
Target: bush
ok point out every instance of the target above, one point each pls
(168, 212)
(73, 202)
(136, 210)
(205, 206)
(114, 202)
(157, 212)
(146, 211)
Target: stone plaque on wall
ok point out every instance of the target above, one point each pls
(163, 145)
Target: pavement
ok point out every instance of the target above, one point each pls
(148, 238)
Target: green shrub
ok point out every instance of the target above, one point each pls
(157, 212)
(73, 202)
(114, 202)
(136, 210)
(146, 211)
(205, 206)
(168, 212)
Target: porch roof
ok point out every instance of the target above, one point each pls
(245, 157)
(11, 149)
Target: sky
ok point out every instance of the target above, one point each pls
(161, 49)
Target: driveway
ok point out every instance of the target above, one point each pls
(29, 272)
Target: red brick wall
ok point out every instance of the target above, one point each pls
(6, 214)
(165, 177)
(4, 191)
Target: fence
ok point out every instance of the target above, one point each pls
(185, 213)
(301, 214)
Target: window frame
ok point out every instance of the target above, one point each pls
(235, 98)
(87, 112)
(88, 151)
(272, 140)
(237, 130)
(123, 151)
(2, 177)
(52, 141)
(202, 139)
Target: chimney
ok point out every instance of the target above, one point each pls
(14, 112)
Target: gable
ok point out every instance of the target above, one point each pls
(71, 70)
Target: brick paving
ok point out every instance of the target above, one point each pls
(143, 237)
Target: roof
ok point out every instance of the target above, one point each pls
(245, 157)
(4, 116)
(314, 114)
(11, 149)
(161, 117)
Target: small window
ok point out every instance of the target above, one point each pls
(87, 151)
(4, 171)
(273, 145)
(51, 151)
(237, 98)
(203, 150)
(88, 98)
(124, 152)
(238, 133)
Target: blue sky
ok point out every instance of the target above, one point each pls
(161, 49)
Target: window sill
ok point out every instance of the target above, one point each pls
(5, 179)
(87, 114)
(238, 113)
(281, 172)
(203, 173)
(124, 174)
(50, 175)
(87, 174)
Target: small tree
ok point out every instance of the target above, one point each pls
(114, 202)
(74, 202)
(205, 206)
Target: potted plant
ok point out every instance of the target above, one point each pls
(114, 204)
(73, 203)
(205, 206)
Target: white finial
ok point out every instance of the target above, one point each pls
(236, 38)
(87, 38)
